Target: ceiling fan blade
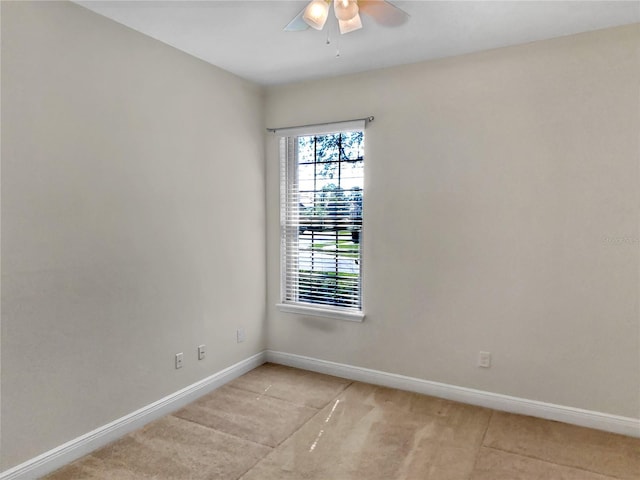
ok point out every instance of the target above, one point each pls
(383, 12)
(297, 24)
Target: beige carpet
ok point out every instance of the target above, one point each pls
(278, 423)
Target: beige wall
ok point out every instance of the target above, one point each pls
(502, 206)
(132, 220)
(502, 215)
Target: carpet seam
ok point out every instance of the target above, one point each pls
(484, 436)
(313, 416)
(219, 431)
(273, 449)
(271, 396)
(532, 457)
(350, 382)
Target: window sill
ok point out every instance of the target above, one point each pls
(321, 312)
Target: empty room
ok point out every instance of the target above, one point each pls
(320, 239)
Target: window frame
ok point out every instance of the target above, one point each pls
(289, 167)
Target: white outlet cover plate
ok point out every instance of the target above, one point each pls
(484, 359)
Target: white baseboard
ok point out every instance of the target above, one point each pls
(496, 401)
(78, 447)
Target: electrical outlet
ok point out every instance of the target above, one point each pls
(179, 360)
(202, 352)
(484, 359)
(240, 335)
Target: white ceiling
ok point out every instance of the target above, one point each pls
(247, 37)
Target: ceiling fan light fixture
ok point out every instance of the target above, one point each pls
(345, 9)
(315, 15)
(351, 25)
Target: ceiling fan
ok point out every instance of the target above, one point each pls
(347, 12)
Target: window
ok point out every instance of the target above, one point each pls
(322, 186)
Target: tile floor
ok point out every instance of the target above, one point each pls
(278, 422)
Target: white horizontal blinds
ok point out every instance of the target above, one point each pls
(322, 192)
